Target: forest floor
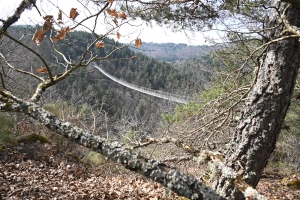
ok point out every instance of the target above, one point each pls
(40, 171)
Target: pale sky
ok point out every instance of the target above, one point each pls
(154, 34)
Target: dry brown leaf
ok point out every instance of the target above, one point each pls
(59, 15)
(99, 44)
(61, 34)
(110, 1)
(123, 15)
(73, 13)
(115, 21)
(38, 37)
(48, 18)
(138, 42)
(112, 12)
(118, 35)
(42, 70)
(47, 26)
(48, 23)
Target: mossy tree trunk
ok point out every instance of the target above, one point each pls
(267, 103)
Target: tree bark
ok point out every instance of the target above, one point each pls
(15, 17)
(266, 105)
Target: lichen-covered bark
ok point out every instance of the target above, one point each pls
(15, 17)
(168, 176)
(266, 105)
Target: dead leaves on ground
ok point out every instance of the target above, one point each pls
(36, 171)
(273, 188)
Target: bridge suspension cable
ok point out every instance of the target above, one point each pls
(155, 93)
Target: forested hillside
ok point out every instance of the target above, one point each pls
(87, 87)
(124, 111)
(171, 52)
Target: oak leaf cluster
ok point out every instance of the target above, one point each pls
(138, 43)
(73, 13)
(42, 70)
(39, 35)
(118, 35)
(112, 12)
(100, 44)
(60, 35)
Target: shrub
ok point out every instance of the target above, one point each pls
(6, 128)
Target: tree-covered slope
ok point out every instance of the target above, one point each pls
(171, 52)
(87, 86)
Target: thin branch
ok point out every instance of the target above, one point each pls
(151, 140)
(2, 81)
(21, 71)
(25, 4)
(31, 50)
(178, 159)
(91, 16)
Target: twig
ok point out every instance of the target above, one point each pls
(178, 159)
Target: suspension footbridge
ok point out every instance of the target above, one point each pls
(151, 92)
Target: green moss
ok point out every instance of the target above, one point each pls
(182, 198)
(32, 138)
(6, 129)
(130, 136)
(212, 93)
(75, 157)
(284, 180)
(7, 139)
(182, 112)
(156, 153)
(294, 184)
(282, 168)
(55, 108)
(95, 158)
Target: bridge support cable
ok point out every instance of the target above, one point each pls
(155, 93)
